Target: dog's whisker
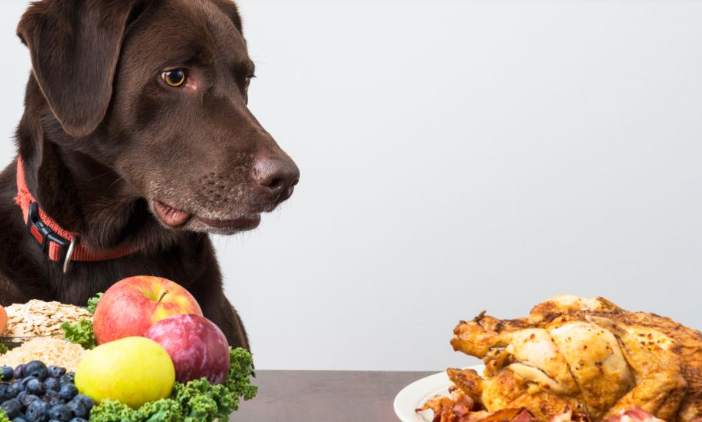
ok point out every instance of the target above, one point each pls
(119, 179)
(100, 175)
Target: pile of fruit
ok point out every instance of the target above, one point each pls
(37, 393)
(153, 357)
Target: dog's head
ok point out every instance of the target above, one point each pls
(163, 85)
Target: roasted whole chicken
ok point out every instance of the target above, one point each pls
(588, 356)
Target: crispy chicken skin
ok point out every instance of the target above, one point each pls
(586, 354)
(506, 390)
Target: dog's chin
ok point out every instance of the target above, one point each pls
(172, 218)
(224, 227)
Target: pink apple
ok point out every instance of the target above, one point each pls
(131, 306)
(196, 346)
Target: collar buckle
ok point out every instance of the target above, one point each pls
(43, 234)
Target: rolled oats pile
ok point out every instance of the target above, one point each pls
(51, 351)
(39, 318)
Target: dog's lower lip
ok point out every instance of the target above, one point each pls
(247, 222)
(171, 216)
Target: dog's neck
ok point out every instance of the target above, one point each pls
(77, 191)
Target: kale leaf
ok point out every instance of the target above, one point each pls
(93, 302)
(80, 333)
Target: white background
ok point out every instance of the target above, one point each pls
(458, 156)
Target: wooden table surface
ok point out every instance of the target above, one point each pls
(325, 396)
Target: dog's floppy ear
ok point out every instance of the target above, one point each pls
(230, 9)
(74, 47)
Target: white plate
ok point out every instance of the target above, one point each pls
(416, 394)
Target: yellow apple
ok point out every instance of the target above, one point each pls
(133, 370)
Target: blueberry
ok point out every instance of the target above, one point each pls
(78, 408)
(35, 387)
(51, 393)
(68, 391)
(6, 373)
(3, 392)
(78, 420)
(21, 395)
(27, 399)
(19, 419)
(18, 371)
(24, 381)
(60, 412)
(38, 411)
(52, 384)
(12, 390)
(67, 379)
(56, 399)
(87, 401)
(56, 371)
(37, 369)
(12, 407)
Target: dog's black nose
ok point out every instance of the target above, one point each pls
(278, 175)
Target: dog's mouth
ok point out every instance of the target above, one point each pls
(171, 216)
(176, 218)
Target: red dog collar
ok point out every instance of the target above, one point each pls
(61, 245)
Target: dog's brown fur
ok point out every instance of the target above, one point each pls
(103, 139)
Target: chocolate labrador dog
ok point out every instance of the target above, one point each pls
(135, 144)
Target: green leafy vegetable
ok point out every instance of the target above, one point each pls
(240, 372)
(80, 333)
(112, 411)
(201, 401)
(93, 302)
(196, 401)
(3, 350)
(3, 416)
(165, 410)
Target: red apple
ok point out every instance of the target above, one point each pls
(131, 306)
(3, 319)
(196, 346)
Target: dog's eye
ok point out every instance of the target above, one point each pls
(247, 81)
(175, 78)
